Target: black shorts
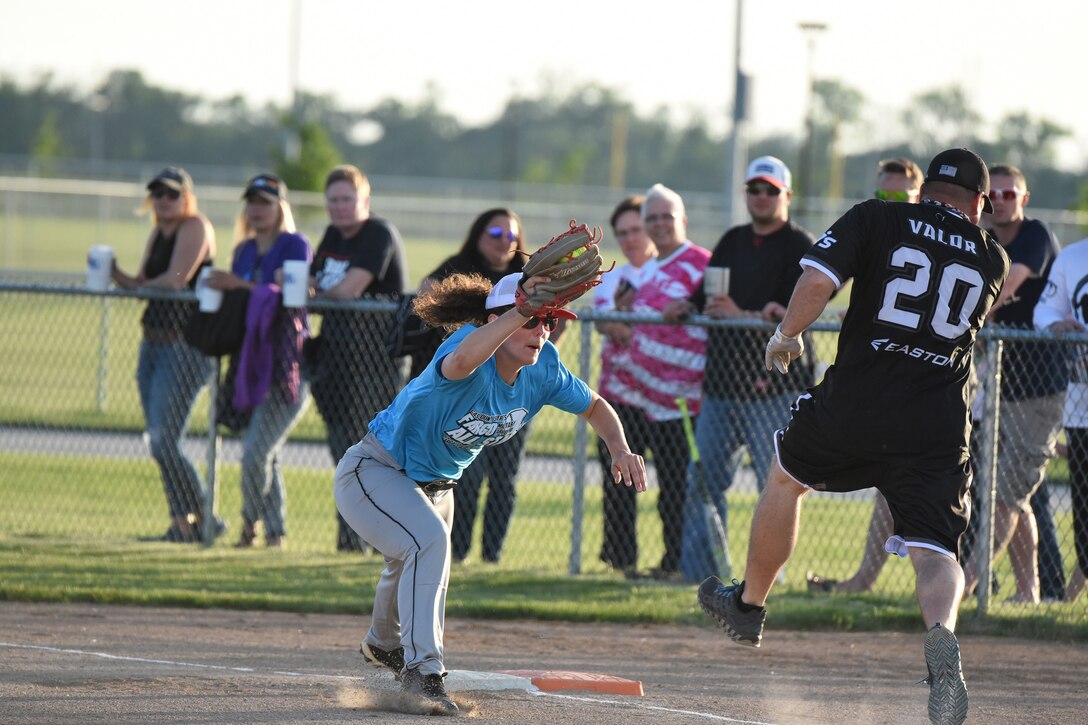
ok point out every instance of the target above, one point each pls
(930, 502)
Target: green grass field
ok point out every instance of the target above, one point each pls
(70, 529)
(70, 525)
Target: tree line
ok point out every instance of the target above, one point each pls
(587, 135)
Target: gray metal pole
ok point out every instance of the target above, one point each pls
(103, 353)
(737, 152)
(987, 483)
(211, 465)
(581, 439)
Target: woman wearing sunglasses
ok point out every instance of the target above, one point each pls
(493, 248)
(487, 380)
(170, 373)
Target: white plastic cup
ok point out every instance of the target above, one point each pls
(296, 282)
(99, 264)
(716, 281)
(208, 298)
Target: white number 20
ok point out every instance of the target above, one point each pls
(944, 322)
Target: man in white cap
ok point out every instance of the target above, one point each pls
(743, 404)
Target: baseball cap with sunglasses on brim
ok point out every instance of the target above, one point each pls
(172, 177)
(266, 186)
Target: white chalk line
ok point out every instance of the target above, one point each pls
(285, 673)
(656, 708)
(175, 663)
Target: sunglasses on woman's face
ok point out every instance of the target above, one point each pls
(549, 323)
(164, 191)
(500, 233)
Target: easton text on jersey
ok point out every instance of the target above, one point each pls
(927, 230)
(476, 429)
(884, 344)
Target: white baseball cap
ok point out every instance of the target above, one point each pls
(504, 294)
(770, 169)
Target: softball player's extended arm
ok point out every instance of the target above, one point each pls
(627, 467)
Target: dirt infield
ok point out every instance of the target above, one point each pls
(86, 664)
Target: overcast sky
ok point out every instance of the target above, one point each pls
(679, 54)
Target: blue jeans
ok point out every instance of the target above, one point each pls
(169, 376)
(263, 494)
(723, 427)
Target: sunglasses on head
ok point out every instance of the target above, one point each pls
(550, 323)
(500, 233)
(891, 195)
(160, 192)
(767, 189)
(1003, 194)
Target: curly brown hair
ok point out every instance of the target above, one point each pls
(454, 301)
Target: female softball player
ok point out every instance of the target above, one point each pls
(487, 380)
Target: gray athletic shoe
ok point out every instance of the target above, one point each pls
(432, 689)
(719, 601)
(947, 690)
(391, 660)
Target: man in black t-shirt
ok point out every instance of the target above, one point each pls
(743, 404)
(1033, 379)
(893, 411)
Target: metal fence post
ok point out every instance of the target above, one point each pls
(103, 353)
(581, 438)
(987, 485)
(211, 465)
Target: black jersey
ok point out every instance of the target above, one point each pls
(924, 279)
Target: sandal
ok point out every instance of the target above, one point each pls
(819, 585)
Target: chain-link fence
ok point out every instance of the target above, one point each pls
(82, 378)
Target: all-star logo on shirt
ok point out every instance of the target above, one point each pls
(333, 274)
(476, 429)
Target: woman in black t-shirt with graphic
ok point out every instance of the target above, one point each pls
(359, 257)
(170, 373)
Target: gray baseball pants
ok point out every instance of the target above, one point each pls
(412, 530)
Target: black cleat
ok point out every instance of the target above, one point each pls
(382, 659)
(719, 601)
(430, 688)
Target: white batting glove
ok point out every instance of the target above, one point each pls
(783, 349)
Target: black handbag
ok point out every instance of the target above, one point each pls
(221, 332)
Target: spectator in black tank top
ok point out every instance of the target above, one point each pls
(359, 257)
(170, 373)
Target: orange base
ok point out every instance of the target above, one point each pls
(555, 680)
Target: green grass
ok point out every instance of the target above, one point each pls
(70, 528)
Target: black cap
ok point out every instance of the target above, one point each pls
(962, 167)
(269, 186)
(172, 177)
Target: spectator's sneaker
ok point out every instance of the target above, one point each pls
(432, 689)
(719, 601)
(947, 690)
(382, 659)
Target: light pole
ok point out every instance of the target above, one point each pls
(811, 30)
(738, 150)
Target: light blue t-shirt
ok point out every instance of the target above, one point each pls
(435, 427)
